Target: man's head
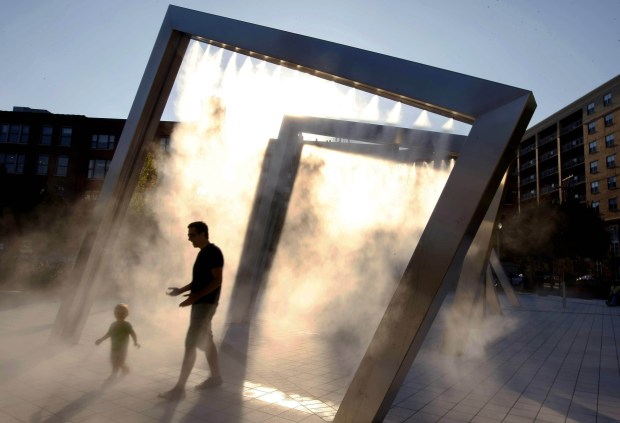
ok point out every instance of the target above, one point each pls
(198, 234)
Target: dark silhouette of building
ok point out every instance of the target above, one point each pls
(52, 160)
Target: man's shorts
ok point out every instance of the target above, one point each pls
(199, 334)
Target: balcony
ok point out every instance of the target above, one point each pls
(576, 161)
(528, 164)
(573, 144)
(528, 196)
(547, 189)
(528, 180)
(576, 180)
(546, 140)
(548, 155)
(571, 126)
(527, 149)
(549, 172)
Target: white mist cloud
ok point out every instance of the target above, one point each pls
(352, 222)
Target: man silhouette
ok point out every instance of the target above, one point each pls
(204, 293)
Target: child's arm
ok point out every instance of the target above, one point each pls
(103, 338)
(135, 338)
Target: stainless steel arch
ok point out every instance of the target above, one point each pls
(498, 113)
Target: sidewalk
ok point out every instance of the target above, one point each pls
(537, 363)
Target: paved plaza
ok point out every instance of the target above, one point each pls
(539, 362)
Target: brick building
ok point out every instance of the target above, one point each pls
(57, 159)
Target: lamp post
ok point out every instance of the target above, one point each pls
(564, 184)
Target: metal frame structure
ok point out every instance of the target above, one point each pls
(499, 115)
(396, 144)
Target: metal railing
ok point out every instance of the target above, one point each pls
(574, 143)
(570, 127)
(527, 149)
(546, 140)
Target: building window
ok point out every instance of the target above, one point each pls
(611, 182)
(102, 142)
(612, 204)
(613, 232)
(593, 147)
(594, 187)
(164, 144)
(43, 164)
(594, 166)
(62, 166)
(609, 119)
(596, 206)
(97, 168)
(607, 99)
(65, 136)
(590, 108)
(611, 161)
(46, 135)
(591, 127)
(610, 140)
(15, 134)
(12, 163)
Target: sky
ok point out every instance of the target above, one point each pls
(87, 57)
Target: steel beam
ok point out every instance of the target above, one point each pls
(120, 180)
(491, 303)
(467, 309)
(496, 265)
(452, 226)
(278, 176)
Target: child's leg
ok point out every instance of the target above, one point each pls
(117, 363)
(122, 365)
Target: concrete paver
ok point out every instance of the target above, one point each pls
(536, 363)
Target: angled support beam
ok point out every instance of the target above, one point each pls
(466, 310)
(121, 180)
(498, 269)
(491, 304)
(446, 239)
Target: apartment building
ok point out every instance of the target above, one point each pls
(573, 154)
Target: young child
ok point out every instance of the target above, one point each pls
(119, 333)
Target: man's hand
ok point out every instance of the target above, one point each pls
(191, 299)
(173, 292)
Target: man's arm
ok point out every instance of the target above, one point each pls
(178, 291)
(212, 286)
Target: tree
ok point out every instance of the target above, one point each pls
(541, 234)
(580, 233)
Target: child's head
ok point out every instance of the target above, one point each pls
(121, 311)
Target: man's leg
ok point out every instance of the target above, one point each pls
(178, 392)
(212, 359)
(189, 359)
